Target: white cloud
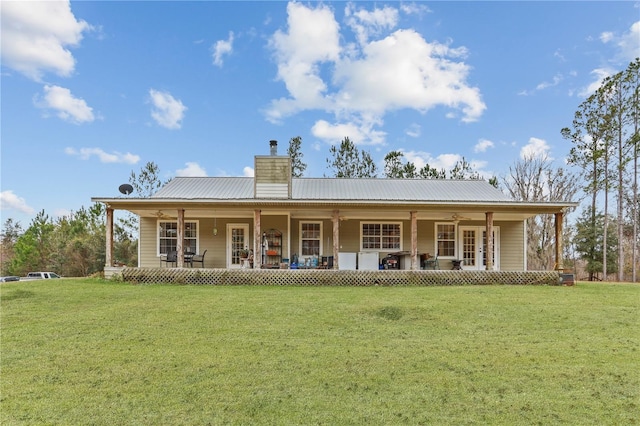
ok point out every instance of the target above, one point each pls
(191, 170)
(558, 54)
(248, 171)
(414, 9)
(627, 44)
(546, 84)
(365, 23)
(483, 145)
(535, 148)
(606, 36)
(36, 36)
(104, 157)
(442, 161)
(414, 130)
(167, 111)
(358, 133)
(359, 84)
(10, 201)
(222, 48)
(600, 74)
(68, 107)
(557, 79)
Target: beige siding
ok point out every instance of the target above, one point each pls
(511, 239)
(511, 246)
(216, 245)
(148, 256)
(272, 190)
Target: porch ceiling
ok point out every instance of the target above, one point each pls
(436, 214)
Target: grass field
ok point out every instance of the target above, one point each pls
(78, 352)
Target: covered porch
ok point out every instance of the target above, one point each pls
(227, 230)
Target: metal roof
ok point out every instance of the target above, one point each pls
(411, 190)
(214, 188)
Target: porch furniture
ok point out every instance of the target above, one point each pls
(247, 262)
(171, 257)
(188, 255)
(432, 263)
(198, 258)
(456, 265)
(391, 261)
(272, 248)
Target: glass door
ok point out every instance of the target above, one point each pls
(237, 240)
(473, 246)
(471, 251)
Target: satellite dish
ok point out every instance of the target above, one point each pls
(125, 189)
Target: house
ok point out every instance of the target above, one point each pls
(330, 222)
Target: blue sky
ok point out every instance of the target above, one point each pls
(94, 90)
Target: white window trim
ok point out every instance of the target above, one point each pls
(159, 221)
(455, 239)
(381, 249)
(320, 248)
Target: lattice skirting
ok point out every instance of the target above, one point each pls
(312, 277)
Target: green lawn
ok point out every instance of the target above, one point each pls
(77, 352)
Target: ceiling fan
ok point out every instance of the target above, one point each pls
(457, 218)
(161, 215)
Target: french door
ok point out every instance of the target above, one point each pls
(472, 247)
(237, 239)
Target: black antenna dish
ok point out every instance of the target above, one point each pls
(125, 189)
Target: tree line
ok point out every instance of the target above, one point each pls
(605, 137)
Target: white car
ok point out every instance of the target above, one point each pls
(41, 276)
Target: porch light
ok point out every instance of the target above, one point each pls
(215, 226)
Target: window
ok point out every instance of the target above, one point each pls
(310, 238)
(446, 240)
(381, 236)
(168, 237)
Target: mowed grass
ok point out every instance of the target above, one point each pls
(94, 352)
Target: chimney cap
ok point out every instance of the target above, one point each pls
(273, 142)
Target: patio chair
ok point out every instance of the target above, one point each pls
(198, 258)
(171, 257)
(432, 263)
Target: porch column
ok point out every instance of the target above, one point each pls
(335, 218)
(489, 251)
(559, 242)
(257, 239)
(414, 240)
(109, 238)
(180, 237)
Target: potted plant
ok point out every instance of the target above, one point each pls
(244, 253)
